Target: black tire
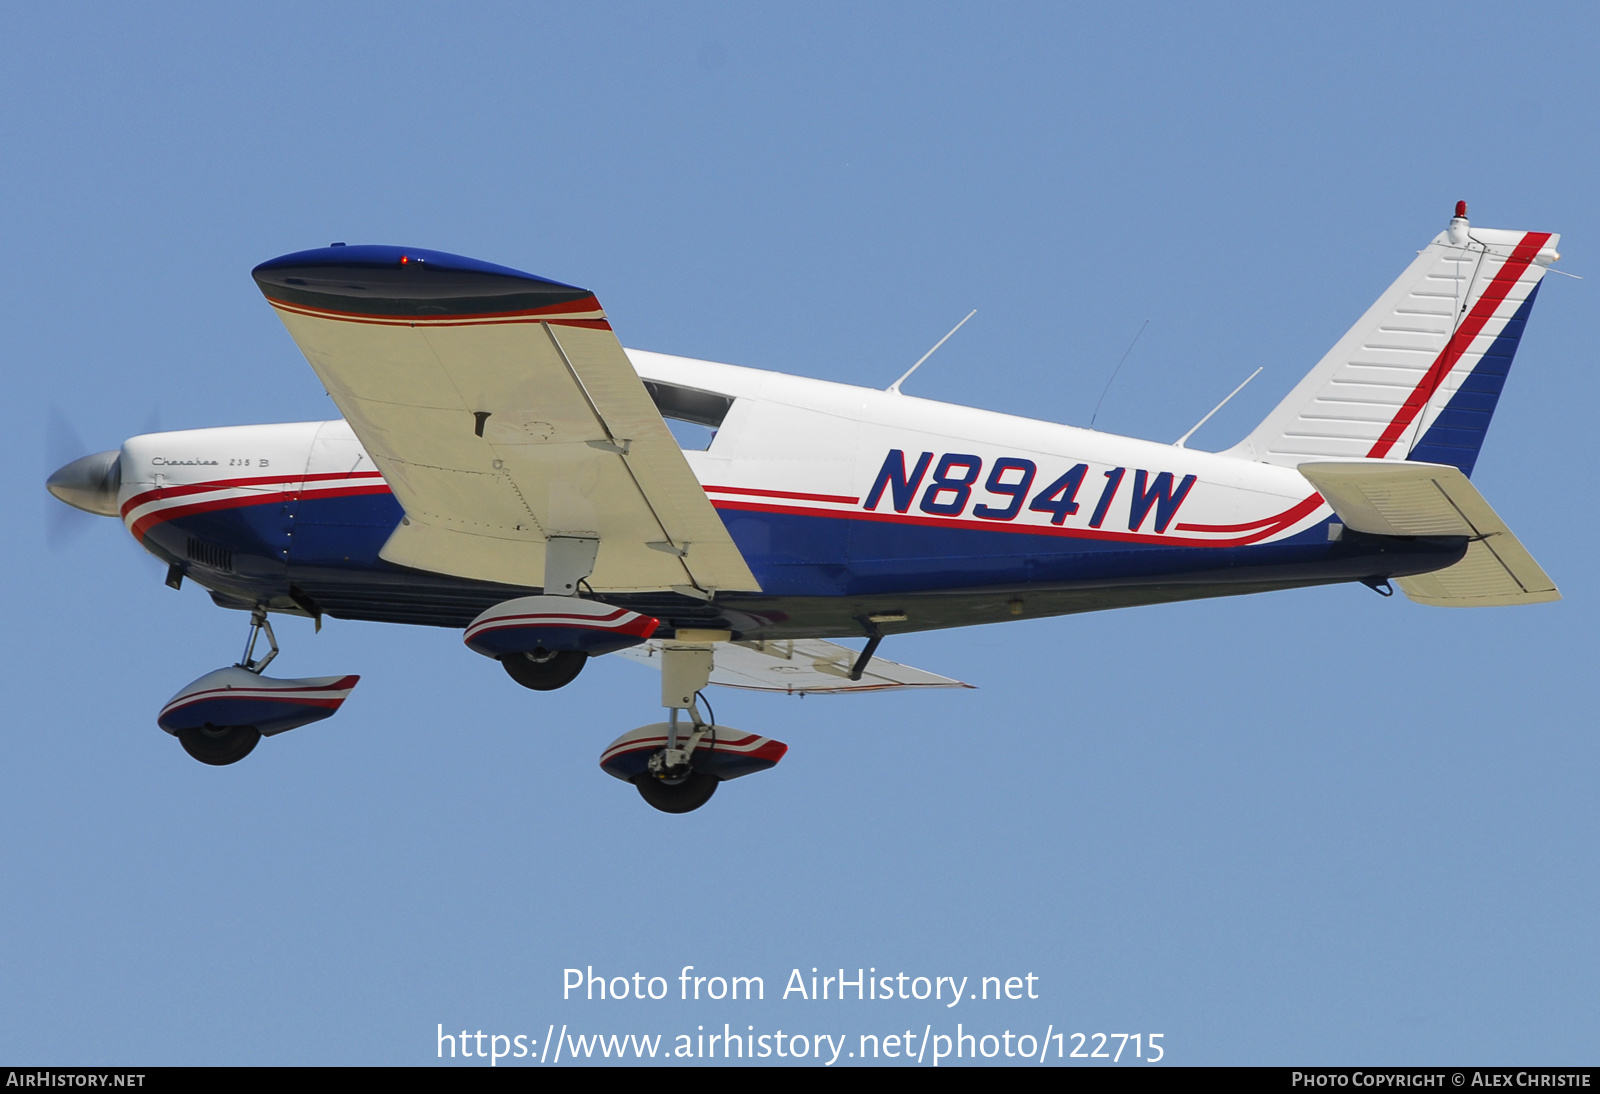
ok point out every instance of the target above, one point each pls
(219, 746)
(556, 671)
(685, 797)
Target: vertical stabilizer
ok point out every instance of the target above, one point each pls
(1419, 375)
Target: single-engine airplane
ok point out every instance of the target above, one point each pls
(504, 467)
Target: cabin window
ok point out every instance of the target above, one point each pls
(693, 415)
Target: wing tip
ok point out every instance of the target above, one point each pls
(371, 280)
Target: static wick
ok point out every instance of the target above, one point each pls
(895, 387)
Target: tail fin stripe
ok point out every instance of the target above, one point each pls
(1493, 296)
(1456, 435)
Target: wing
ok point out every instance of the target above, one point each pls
(1430, 499)
(503, 412)
(801, 666)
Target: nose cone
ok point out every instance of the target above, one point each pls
(90, 483)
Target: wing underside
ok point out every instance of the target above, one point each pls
(503, 413)
(803, 666)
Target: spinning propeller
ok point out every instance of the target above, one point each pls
(86, 483)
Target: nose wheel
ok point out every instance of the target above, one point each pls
(219, 746)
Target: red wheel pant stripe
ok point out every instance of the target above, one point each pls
(344, 683)
(635, 629)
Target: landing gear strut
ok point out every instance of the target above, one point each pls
(259, 623)
(670, 781)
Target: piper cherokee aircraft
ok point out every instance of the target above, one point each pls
(504, 467)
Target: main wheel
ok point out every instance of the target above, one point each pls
(544, 671)
(219, 746)
(685, 797)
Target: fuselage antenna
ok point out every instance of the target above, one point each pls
(895, 387)
(1179, 442)
(1116, 370)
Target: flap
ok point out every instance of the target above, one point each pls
(801, 665)
(502, 410)
(1428, 499)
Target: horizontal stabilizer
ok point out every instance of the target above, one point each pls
(802, 665)
(1428, 499)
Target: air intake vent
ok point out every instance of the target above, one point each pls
(209, 554)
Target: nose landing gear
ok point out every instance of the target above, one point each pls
(220, 746)
(221, 717)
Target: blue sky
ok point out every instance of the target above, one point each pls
(1308, 827)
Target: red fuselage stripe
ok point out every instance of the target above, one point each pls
(796, 495)
(1246, 527)
(160, 516)
(1272, 525)
(185, 489)
(1257, 530)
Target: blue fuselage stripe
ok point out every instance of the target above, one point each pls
(801, 555)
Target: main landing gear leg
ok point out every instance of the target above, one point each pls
(670, 783)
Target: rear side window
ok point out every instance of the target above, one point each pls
(693, 415)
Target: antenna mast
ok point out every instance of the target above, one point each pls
(1116, 370)
(895, 387)
(1179, 442)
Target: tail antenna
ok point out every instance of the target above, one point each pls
(1181, 441)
